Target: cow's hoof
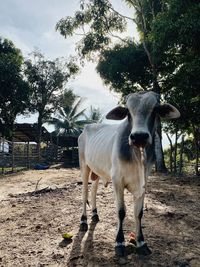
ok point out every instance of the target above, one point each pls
(95, 218)
(144, 250)
(123, 261)
(83, 227)
(120, 251)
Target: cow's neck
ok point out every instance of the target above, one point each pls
(125, 151)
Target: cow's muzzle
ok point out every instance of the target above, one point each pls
(139, 139)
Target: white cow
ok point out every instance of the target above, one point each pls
(123, 153)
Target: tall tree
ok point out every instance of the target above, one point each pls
(176, 34)
(14, 90)
(103, 21)
(47, 79)
(145, 13)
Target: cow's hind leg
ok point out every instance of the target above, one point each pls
(95, 217)
(142, 247)
(85, 171)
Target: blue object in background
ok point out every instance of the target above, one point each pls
(41, 167)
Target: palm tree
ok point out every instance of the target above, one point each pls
(94, 116)
(70, 119)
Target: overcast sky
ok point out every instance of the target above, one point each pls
(31, 24)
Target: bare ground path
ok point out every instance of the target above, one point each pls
(36, 207)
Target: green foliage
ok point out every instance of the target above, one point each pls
(67, 100)
(69, 119)
(125, 68)
(176, 33)
(97, 21)
(145, 13)
(189, 155)
(14, 90)
(179, 20)
(47, 81)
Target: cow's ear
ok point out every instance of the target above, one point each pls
(118, 113)
(167, 111)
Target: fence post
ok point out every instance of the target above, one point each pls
(13, 163)
(28, 158)
(57, 140)
(2, 169)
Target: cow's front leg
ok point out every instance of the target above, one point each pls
(120, 242)
(142, 247)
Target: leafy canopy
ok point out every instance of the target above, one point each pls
(47, 79)
(125, 68)
(95, 22)
(14, 90)
(176, 33)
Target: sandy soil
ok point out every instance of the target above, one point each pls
(36, 207)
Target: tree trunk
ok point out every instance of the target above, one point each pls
(181, 156)
(197, 161)
(175, 151)
(160, 162)
(196, 141)
(171, 153)
(13, 153)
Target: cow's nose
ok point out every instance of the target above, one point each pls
(139, 138)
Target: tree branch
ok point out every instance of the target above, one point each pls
(118, 37)
(121, 15)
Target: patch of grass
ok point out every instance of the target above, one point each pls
(7, 170)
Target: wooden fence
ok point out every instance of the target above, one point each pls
(15, 156)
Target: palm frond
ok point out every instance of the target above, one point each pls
(76, 106)
(81, 113)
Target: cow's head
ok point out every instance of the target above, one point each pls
(141, 111)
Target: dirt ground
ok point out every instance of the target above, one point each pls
(36, 207)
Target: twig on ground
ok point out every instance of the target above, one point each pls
(36, 187)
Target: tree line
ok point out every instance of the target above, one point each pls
(38, 85)
(166, 59)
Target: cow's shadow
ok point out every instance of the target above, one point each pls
(80, 247)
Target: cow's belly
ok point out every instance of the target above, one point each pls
(98, 152)
(98, 164)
